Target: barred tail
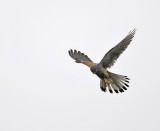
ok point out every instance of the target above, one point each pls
(116, 82)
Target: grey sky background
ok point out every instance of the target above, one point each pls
(42, 89)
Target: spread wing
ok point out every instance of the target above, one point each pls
(112, 55)
(80, 57)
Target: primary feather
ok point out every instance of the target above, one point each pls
(112, 55)
(80, 57)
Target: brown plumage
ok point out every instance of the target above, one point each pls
(81, 58)
(109, 80)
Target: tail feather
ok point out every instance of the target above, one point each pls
(103, 85)
(116, 82)
(110, 89)
(114, 87)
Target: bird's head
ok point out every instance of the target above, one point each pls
(94, 68)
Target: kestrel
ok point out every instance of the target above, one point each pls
(108, 80)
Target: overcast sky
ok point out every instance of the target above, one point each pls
(43, 89)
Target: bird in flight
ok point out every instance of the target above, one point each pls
(108, 80)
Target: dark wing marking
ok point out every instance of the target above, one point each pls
(112, 55)
(80, 57)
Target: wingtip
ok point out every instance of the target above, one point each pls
(133, 31)
(70, 50)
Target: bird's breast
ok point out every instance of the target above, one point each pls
(102, 73)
